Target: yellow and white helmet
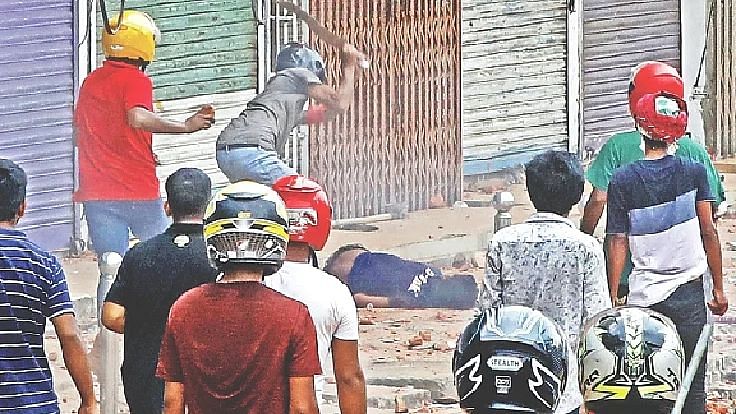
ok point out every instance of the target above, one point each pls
(247, 223)
(630, 358)
(133, 38)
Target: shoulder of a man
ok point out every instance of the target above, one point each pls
(188, 300)
(613, 154)
(143, 252)
(687, 147)
(624, 174)
(46, 265)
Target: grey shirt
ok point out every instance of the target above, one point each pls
(269, 118)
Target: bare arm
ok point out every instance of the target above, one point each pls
(618, 245)
(362, 300)
(75, 359)
(174, 398)
(113, 317)
(302, 399)
(349, 376)
(712, 246)
(142, 118)
(593, 211)
(339, 100)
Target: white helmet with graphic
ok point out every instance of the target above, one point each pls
(630, 358)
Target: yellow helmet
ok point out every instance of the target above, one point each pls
(134, 38)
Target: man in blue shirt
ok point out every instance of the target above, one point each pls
(33, 288)
(387, 281)
(661, 208)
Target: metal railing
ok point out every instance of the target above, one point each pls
(110, 342)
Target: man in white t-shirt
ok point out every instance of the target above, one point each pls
(329, 301)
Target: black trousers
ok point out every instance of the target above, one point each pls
(686, 308)
(144, 393)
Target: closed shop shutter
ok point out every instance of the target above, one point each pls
(617, 36)
(514, 81)
(37, 97)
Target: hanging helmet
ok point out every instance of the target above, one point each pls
(297, 55)
(654, 77)
(630, 359)
(661, 117)
(310, 213)
(246, 223)
(135, 38)
(513, 361)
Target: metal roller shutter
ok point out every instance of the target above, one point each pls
(37, 97)
(514, 81)
(618, 35)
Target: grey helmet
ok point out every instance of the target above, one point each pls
(298, 55)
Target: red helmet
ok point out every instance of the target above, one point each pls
(654, 77)
(310, 213)
(661, 117)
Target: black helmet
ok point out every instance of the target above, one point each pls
(246, 223)
(297, 55)
(631, 360)
(512, 361)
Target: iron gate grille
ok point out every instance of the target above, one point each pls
(399, 144)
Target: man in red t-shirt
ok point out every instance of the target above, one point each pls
(236, 346)
(114, 122)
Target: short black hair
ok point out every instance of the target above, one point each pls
(654, 144)
(555, 181)
(188, 190)
(13, 182)
(336, 255)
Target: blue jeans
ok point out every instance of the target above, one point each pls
(252, 164)
(110, 222)
(686, 308)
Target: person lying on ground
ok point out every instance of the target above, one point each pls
(387, 281)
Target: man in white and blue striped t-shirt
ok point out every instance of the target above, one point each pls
(660, 207)
(32, 288)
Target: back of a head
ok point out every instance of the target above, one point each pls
(13, 183)
(188, 191)
(134, 38)
(513, 359)
(654, 77)
(310, 212)
(631, 361)
(335, 264)
(661, 118)
(555, 181)
(246, 226)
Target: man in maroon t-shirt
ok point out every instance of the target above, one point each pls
(236, 346)
(114, 122)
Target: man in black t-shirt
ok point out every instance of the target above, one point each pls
(151, 278)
